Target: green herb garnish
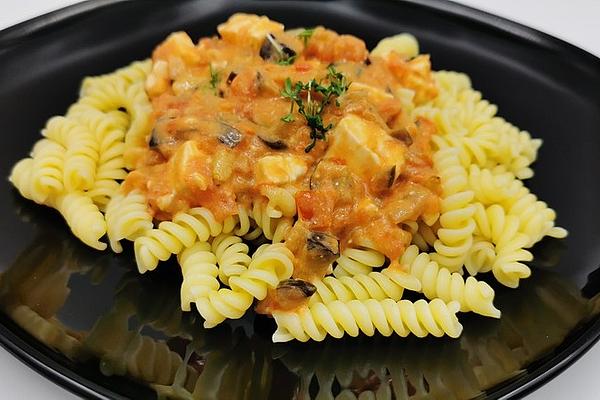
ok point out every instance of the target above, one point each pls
(287, 60)
(306, 34)
(214, 77)
(312, 109)
(288, 118)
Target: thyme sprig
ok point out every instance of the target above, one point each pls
(312, 109)
(306, 34)
(215, 77)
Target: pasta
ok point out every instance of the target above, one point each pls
(127, 217)
(337, 318)
(171, 237)
(273, 228)
(47, 170)
(81, 155)
(296, 171)
(232, 256)
(83, 217)
(449, 286)
(388, 284)
(455, 235)
(357, 262)
(270, 264)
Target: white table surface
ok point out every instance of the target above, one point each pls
(576, 21)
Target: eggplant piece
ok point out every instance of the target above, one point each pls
(232, 75)
(403, 136)
(230, 136)
(273, 142)
(272, 50)
(161, 125)
(297, 286)
(153, 139)
(392, 177)
(322, 244)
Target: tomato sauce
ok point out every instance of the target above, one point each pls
(219, 111)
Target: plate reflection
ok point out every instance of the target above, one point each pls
(143, 335)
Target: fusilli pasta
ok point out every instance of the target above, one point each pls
(455, 235)
(437, 282)
(357, 262)
(127, 217)
(367, 316)
(171, 237)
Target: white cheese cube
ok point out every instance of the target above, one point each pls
(366, 148)
(248, 29)
(373, 94)
(279, 169)
(190, 167)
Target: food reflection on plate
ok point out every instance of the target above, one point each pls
(145, 336)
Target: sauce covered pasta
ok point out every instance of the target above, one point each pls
(297, 171)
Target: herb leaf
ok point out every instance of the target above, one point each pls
(288, 60)
(288, 118)
(312, 110)
(214, 77)
(306, 34)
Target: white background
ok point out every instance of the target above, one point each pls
(576, 21)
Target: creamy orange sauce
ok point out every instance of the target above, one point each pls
(218, 109)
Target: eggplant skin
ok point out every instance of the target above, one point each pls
(325, 244)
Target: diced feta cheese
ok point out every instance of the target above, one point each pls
(279, 169)
(248, 29)
(191, 167)
(365, 147)
(374, 95)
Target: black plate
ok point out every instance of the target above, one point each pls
(542, 84)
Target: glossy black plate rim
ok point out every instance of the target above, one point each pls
(546, 369)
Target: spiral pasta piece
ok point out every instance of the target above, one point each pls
(274, 229)
(469, 123)
(83, 217)
(514, 148)
(436, 282)
(389, 283)
(20, 177)
(102, 124)
(82, 151)
(456, 221)
(232, 256)
(354, 262)
(136, 72)
(171, 237)
(503, 231)
(281, 202)
(404, 44)
(109, 93)
(423, 234)
(493, 186)
(127, 217)
(536, 219)
(481, 256)
(271, 263)
(199, 269)
(246, 227)
(47, 170)
(368, 316)
(470, 149)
